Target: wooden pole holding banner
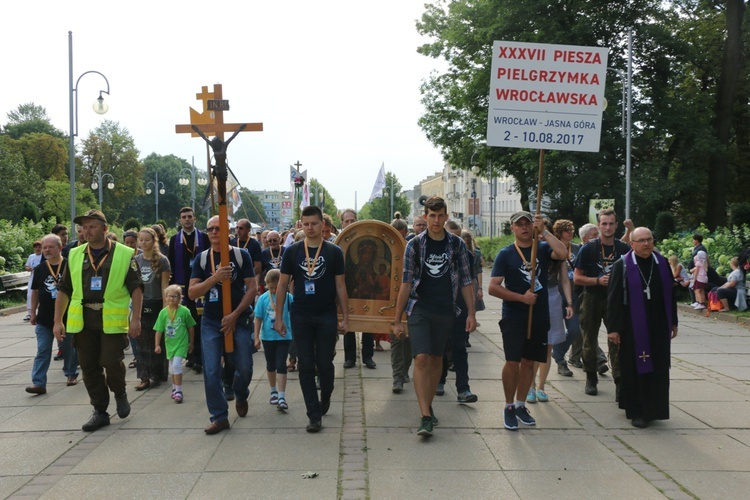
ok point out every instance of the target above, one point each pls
(535, 238)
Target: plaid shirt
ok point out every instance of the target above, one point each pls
(460, 269)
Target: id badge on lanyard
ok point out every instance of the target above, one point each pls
(96, 283)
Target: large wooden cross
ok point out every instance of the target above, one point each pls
(211, 122)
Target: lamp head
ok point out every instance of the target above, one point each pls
(100, 107)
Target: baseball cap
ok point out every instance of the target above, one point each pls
(521, 215)
(91, 214)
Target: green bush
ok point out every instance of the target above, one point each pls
(739, 214)
(132, 223)
(17, 241)
(490, 247)
(722, 245)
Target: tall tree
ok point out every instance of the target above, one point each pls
(18, 187)
(252, 207)
(113, 147)
(676, 59)
(30, 118)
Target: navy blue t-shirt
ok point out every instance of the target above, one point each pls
(46, 285)
(269, 262)
(313, 294)
(517, 278)
(597, 260)
(435, 280)
(212, 301)
(251, 245)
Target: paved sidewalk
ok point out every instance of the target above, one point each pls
(582, 446)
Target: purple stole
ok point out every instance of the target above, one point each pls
(637, 306)
(179, 256)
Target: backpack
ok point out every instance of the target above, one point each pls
(714, 304)
(237, 256)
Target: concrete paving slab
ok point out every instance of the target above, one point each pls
(523, 451)
(24, 454)
(575, 485)
(265, 484)
(718, 359)
(9, 484)
(724, 415)
(682, 371)
(573, 390)
(714, 484)
(156, 485)
(735, 372)
(702, 390)
(429, 485)
(604, 416)
(405, 414)
(691, 452)
(49, 418)
(318, 452)
(127, 452)
(407, 451)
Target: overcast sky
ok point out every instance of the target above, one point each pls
(334, 82)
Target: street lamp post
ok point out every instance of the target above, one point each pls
(184, 181)
(99, 183)
(158, 189)
(100, 107)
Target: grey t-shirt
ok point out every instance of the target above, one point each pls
(151, 280)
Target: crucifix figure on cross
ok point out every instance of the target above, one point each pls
(219, 147)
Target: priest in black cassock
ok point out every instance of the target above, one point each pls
(642, 319)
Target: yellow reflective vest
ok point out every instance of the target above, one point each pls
(116, 295)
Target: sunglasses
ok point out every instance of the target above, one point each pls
(212, 229)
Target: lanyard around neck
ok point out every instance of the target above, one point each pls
(311, 267)
(91, 257)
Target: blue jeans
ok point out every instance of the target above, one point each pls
(212, 348)
(316, 337)
(44, 340)
(573, 331)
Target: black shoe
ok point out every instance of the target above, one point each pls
(591, 389)
(314, 426)
(97, 421)
(229, 393)
(398, 386)
(640, 422)
(123, 406)
(198, 368)
(467, 343)
(325, 404)
(369, 363)
(562, 369)
(349, 363)
(189, 364)
(59, 355)
(603, 368)
(576, 364)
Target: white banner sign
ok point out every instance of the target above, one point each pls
(546, 96)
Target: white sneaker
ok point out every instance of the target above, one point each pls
(700, 306)
(694, 304)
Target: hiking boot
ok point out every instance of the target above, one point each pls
(123, 406)
(591, 381)
(398, 386)
(467, 397)
(562, 369)
(603, 368)
(97, 421)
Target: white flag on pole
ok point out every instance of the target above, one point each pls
(377, 189)
(305, 201)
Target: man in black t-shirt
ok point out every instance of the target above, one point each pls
(511, 282)
(43, 294)
(436, 270)
(592, 269)
(317, 268)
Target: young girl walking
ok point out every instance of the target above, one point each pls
(275, 347)
(176, 324)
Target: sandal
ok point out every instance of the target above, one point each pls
(291, 365)
(274, 398)
(132, 364)
(378, 347)
(282, 404)
(145, 384)
(177, 397)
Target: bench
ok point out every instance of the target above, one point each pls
(14, 282)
